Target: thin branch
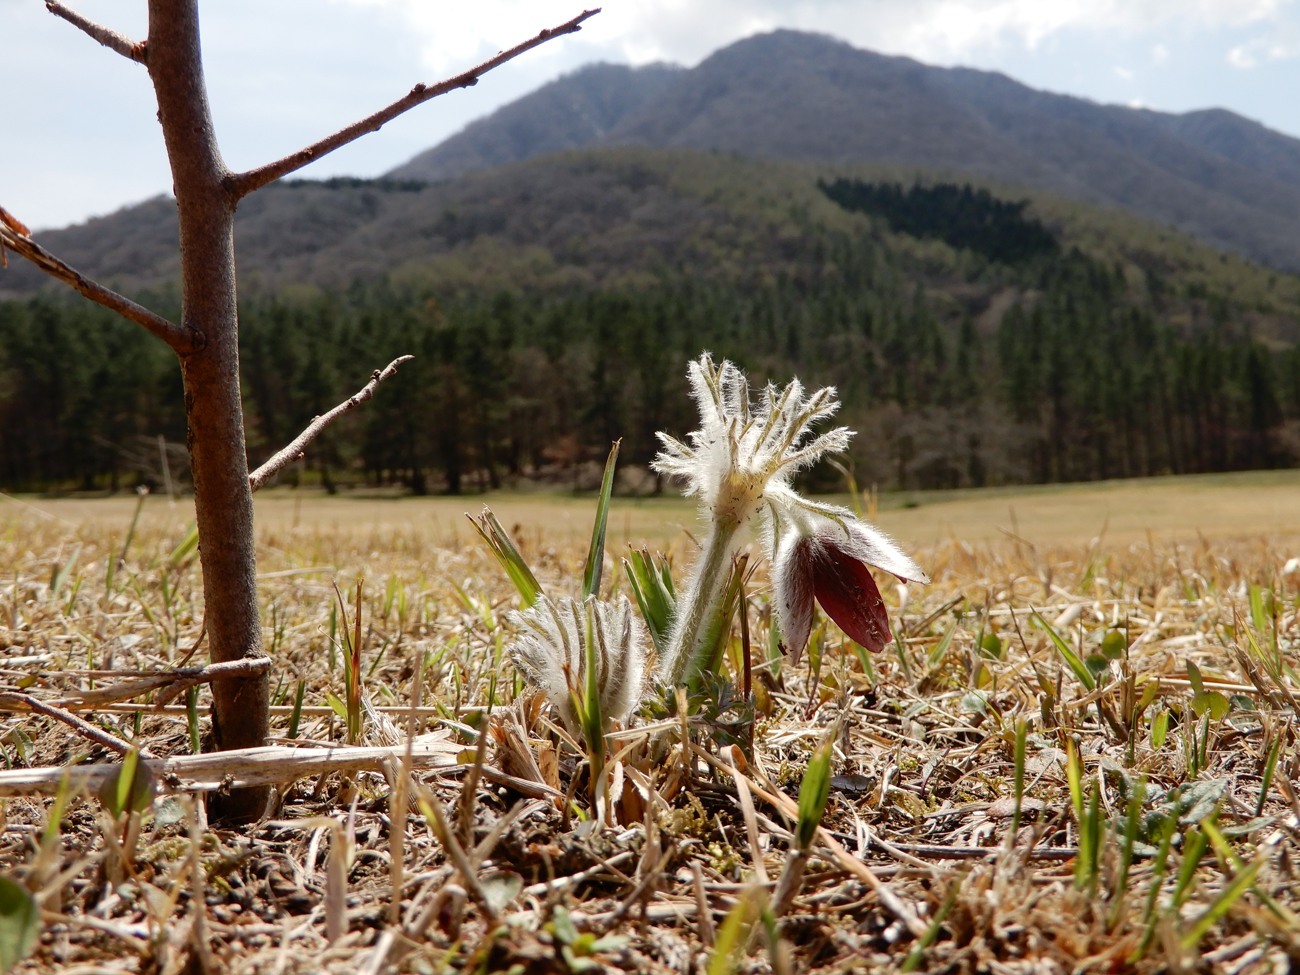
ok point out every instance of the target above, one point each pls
(289, 454)
(242, 184)
(183, 679)
(80, 725)
(168, 683)
(111, 39)
(181, 339)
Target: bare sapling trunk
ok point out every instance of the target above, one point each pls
(223, 499)
(206, 341)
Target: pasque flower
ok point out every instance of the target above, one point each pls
(739, 463)
(823, 552)
(558, 637)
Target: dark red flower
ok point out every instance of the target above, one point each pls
(827, 560)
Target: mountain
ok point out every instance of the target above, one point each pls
(612, 172)
(976, 336)
(789, 95)
(630, 218)
(574, 112)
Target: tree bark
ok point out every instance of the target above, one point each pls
(223, 499)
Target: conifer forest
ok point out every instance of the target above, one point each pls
(969, 343)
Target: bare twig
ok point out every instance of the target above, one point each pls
(294, 450)
(242, 184)
(111, 39)
(181, 679)
(172, 682)
(80, 725)
(182, 339)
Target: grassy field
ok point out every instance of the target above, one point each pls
(1116, 512)
(1077, 755)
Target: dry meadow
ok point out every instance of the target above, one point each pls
(1078, 755)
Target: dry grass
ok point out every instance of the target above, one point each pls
(927, 858)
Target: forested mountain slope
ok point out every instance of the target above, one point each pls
(978, 335)
(792, 95)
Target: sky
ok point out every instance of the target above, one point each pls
(79, 136)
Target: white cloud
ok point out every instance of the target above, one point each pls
(1123, 74)
(1159, 54)
(1280, 45)
(1244, 56)
(453, 36)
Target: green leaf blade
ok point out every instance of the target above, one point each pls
(654, 592)
(506, 552)
(815, 791)
(596, 551)
(20, 923)
(1080, 669)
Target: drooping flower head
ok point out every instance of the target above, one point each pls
(822, 552)
(740, 463)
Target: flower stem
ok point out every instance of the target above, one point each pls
(704, 599)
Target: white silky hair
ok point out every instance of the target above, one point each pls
(551, 652)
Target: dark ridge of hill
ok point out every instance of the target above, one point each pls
(791, 95)
(631, 217)
(572, 112)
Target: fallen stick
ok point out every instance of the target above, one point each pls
(83, 727)
(237, 768)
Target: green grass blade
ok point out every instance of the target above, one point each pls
(1074, 778)
(131, 787)
(336, 705)
(1132, 822)
(1194, 847)
(1260, 614)
(1166, 829)
(733, 935)
(1080, 669)
(1270, 768)
(1230, 894)
(815, 790)
(1159, 729)
(941, 648)
(596, 552)
(917, 955)
(1087, 863)
(192, 720)
(490, 530)
(60, 575)
(20, 923)
(295, 718)
(186, 548)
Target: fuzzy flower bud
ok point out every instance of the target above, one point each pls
(552, 653)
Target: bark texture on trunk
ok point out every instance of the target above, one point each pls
(223, 500)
